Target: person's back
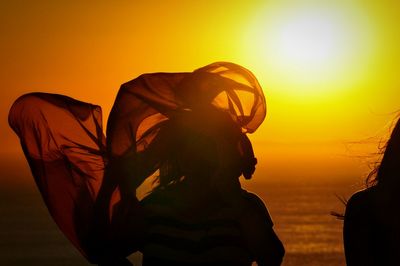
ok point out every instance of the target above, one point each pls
(185, 228)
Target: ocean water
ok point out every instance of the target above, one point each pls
(301, 214)
(300, 210)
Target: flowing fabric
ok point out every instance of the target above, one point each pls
(146, 101)
(68, 154)
(64, 144)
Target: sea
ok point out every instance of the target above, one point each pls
(301, 211)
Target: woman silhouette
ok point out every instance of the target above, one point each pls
(372, 221)
(191, 127)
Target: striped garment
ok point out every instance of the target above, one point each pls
(212, 242)
(183, 233)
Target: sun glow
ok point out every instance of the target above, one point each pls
(310, 40)
(303, 49)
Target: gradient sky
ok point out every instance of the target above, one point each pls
(329, 69)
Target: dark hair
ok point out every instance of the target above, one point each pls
(201, 148)
(387, 172)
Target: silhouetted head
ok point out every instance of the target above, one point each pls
(189, 124)
(387, 174)
(204, 144)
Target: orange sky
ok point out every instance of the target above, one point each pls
(316, 105)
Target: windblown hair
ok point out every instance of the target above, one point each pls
(388, 170)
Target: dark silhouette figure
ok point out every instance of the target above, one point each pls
(190, 129)
(372, 217)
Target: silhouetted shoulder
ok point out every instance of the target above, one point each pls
(360, 200)
(358, 207)
(359, 196)
(257, 227)
(359, 229)
(259, 206)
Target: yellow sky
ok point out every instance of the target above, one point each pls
(329, 69)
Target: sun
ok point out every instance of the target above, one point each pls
(303, 48)
(310, 40)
